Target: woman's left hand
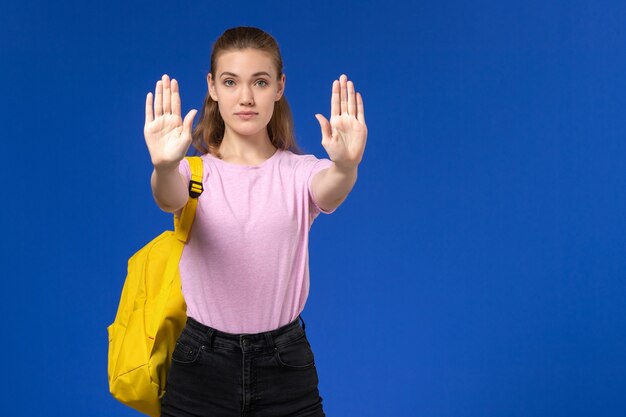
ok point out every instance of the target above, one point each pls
(345, 135)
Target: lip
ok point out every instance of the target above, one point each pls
(246, 114)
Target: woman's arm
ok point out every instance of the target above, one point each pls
(168, 137)
(344, 139)
(169, 189)
(331, 186)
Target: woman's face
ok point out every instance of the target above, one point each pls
(245, 88)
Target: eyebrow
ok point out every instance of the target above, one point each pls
(256, 74)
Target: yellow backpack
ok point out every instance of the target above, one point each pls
(152, 313)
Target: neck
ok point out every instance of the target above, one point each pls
(254, 148)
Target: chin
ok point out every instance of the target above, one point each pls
(248, 130)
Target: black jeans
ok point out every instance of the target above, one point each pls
(218, 374)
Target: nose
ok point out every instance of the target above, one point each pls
(246, 98)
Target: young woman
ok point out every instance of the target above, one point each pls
(244, 270)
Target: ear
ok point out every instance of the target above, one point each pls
(211, 85)
(281, 87)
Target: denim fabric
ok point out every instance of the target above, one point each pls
(218, 374)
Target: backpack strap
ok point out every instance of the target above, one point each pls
(183, 225)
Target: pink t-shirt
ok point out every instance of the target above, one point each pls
(245, 268)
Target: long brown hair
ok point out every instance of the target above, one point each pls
(209, 132)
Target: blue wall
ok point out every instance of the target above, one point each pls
(477, 268)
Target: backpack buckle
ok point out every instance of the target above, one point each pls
(195, 189)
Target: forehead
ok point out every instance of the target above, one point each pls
(245, 62)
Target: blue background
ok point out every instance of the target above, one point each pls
(476, 269)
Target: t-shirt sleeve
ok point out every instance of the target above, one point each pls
(185, 169)
(316, 165)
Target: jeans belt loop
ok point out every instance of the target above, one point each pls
(270, 341)
(210, 335)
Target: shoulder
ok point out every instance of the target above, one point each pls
(299, 160)
(208, 161)
(305, 167)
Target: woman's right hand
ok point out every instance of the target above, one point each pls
(167, 136)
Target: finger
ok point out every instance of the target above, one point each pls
(175, 98)
(324, 126)
(167, 95)
(149, 115)
(188, 122)
(344, 94)
(158, 99)
(351, 99)
(335, 105)
(360, 110)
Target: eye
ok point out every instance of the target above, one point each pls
(229, 83)
(262, 83)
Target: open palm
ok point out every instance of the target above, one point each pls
(167, 136)
(344, 137)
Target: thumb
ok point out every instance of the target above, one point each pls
(188, 122)
(324, 125)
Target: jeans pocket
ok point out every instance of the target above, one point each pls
(186, 351)
(295, 354)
